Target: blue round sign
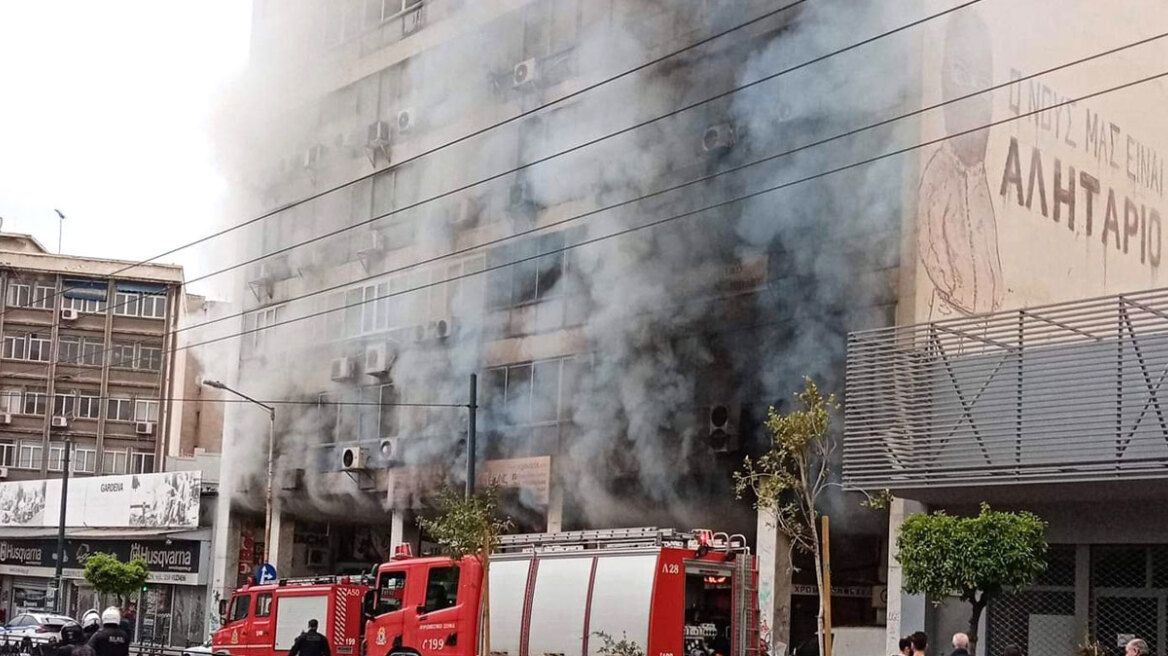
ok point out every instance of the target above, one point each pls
(265, 573)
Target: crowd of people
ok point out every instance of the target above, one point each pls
(107, 634)
(917, 644)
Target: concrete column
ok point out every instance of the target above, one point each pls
(396, 530)
(283, 533)
(555, 512)
(224, 558)
(906, 613)
(774, 584)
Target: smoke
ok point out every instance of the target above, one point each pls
(633, 338)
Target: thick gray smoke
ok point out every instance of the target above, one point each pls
(730, 306)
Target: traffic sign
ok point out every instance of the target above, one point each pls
(266, 573)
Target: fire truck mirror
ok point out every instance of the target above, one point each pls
(369, 603)
(222, 609)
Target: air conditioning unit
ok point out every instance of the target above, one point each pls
(312, 156)
(352, 458)
(144, 427)
(722, 433)
(275, 268)
(60, 422)
(341, 369)
(3, 472)
(377, 141)
(718, 139)
(379, 359)
(526, 72)
(465, 211)
(69, 314)
(316, 557)
(440, 328)
(6, 418)
(389, 450)
(406, 119)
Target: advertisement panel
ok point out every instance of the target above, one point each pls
(169, 561)
(163, 500)
(1063, 204)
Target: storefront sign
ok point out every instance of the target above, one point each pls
(164, 500)
(174, 562)
(532, 475)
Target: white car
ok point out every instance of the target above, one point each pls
(38, 626)
(199, 650)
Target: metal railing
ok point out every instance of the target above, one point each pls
(1066, 392)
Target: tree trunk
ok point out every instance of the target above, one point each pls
(818, 583)
(975, 621)
(486, 650)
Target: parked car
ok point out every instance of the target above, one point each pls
(38, 626)
(198, 650)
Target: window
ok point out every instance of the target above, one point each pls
(27, 347)
(43, 295)
(536, 393)
(122, 355)
(391, 588)
(141, 463)
(261, 324)
(19, 295)
(113, 462)
(83, 305)
(35, 403)
(7, 455)
(64, 405)
(40, 349)
(145, 410)
(84, 460)
(126, 304)
(28, 296)
(92, 350)
(149, 358)
(264, 605)
(69, 349)
(30, 456)
(56, 458)
(120, 410)
(14, 346)
(88, 406)
(154, 306)
(441, 588)
(10, 401)
(388, 423)
(240, 604)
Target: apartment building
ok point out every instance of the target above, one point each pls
(84, 356)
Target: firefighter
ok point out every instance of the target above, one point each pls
(71, 636)
(309, 643)
(110, 640)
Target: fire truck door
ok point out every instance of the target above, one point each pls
(238, 628)
(386, 633)
(437, 618)
(261, 626)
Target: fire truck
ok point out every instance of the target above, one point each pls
(667, 592)
(262, 620)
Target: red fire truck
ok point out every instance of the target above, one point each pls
(670, 593)
(557, 594)
(262, 620)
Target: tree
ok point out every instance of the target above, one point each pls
(469, 526)
(108, 575)
(788, 479)
(976, 558)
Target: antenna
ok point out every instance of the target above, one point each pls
(60, 230)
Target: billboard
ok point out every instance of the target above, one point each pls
(1068, 200)
(163, 500)
(169, 561)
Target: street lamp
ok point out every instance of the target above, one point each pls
(268, 545)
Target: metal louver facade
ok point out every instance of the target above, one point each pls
(1061, 393)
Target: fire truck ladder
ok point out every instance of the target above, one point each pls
(745, 601)
(595, 539)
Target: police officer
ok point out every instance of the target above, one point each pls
(71, 636)
(309, 643)
(110, 640)
(90, 623)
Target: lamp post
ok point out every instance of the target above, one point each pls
(59, 602)
(268, 545)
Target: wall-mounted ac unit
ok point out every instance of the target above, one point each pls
(379, 359)
(525, 72)
(60, 422)
(389, 451)
(69, 314)
(377, 141)
(144, 427)
(464, 211)
(719, 139)
(440, 328)
(341, 369)
(5, 418)
(315, 557)
(352, 458)
(3, 472)
(406, 119)
(722, 433)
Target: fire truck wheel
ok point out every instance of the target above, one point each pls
(403, 651)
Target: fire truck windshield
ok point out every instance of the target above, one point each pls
(391, 588)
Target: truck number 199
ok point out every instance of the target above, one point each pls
(670, 568)
(433, 644)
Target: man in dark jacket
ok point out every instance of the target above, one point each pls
(71, 636)
(110, 640)
(960, 645)
(309, 643)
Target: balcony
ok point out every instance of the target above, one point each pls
(1068, 393)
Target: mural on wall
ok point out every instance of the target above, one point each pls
(1065, 202)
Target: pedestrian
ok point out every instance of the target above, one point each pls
(71, 637)
(920, 642)
(904, 647)
(110, 639)
(960, 645)
(1136, 647)
(309, 643)
(1012, 650)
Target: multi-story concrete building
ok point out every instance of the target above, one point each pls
(84, 354)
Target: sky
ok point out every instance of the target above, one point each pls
(105, 112)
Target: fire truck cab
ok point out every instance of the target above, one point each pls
(563, 594)
(264, 620)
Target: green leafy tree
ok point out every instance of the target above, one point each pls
(469, 526)
(788, 479)
(976, 558)
(108, 575)
(622, 647)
